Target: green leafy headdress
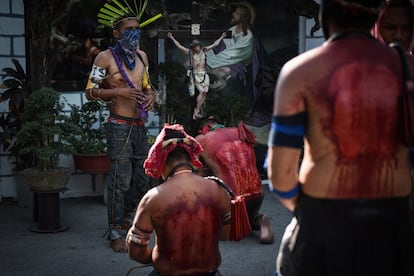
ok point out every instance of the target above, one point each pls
(110, 15)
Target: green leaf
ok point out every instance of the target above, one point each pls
(19, 68)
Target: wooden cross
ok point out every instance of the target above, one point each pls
(196, 30)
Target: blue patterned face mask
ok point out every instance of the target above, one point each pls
(127, 45)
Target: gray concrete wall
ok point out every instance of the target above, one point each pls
(11, 32)
(11, 46)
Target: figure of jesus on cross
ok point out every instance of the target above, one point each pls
(197, 71)
(198, 76)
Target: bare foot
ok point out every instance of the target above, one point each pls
(196, 114)
(266, 235)
(119, 246)
(125, 225)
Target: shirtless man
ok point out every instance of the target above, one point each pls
(229, 154)
(188, 213)
(200, 78)
(119, 76)
(351, 194)
(395, 24)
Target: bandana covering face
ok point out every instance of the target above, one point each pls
(154, 164)
(128, 42)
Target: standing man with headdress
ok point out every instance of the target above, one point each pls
(350, 198)
(188, 213)
(197, 72)
(119, 75)
(230, 60)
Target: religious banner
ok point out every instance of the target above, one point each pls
(222, 58)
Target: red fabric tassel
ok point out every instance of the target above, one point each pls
(240, 224)
(245, 134)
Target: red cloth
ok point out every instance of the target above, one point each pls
(240, 224)
(160, 150)
(245, 134)
(231, 153)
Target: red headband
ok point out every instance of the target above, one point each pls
(158, 153)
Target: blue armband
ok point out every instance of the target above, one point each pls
(266, 163)
(287, 194)
(288, 131)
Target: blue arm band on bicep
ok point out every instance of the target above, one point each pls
(266, 163)
(288, 131)
(287, 194)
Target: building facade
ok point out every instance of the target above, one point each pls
(12, 45)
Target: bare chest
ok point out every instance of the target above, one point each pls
(124, 77)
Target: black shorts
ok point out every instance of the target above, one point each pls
(350, 237)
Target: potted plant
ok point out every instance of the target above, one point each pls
(17, 91)
(90, 144)
(41, 140)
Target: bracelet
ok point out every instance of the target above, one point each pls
(152, 94)
(91, 94)
(99, 94)
(149, 91)
(286, 194)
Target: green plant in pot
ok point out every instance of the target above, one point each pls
(16, 92)
(90, 145)
(42, 138)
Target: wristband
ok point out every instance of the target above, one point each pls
(286, 194)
